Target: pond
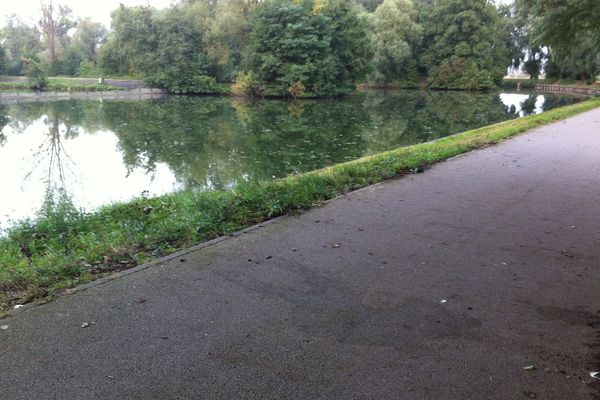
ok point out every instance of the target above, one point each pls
(100, 152)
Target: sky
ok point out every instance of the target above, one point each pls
(98, 10)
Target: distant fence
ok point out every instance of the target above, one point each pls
(142, 93)
(568, 89)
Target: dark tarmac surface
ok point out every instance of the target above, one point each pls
(442, 285)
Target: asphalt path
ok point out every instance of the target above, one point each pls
(478, 279)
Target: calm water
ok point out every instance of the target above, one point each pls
(100, 152)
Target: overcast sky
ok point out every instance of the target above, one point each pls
(98, 10)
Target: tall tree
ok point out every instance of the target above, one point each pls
(317, 46)
(396, 34)
(526, 51)
(133, 41)
(465, 45)
(20, 41)
(180, 64)
(55, 25)
(164, 47)
(2, 59)
(228, 34)
(89, 36)
(571, 30)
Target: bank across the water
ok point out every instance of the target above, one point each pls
(64, 247)
(31, 96)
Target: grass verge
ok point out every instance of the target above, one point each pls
(58, 85)
(64, 247)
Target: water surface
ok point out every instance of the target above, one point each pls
(100, 152)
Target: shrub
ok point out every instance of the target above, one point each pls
(245, 85)
(38, 79)
(296, 89)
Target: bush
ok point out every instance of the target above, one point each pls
(460, 74)
(296, 89)
(38, 78)
(245, 85)
(184, 83)
(88, 69)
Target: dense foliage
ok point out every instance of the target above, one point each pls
(302, 48)
(307, 47)
(161, 46)
(560, 38)
(465, 47)
(396, 36)
(36, 74)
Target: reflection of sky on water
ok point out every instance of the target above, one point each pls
(93, 168)
(516, 100)
(236, 142)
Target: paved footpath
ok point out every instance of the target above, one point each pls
(478, 279)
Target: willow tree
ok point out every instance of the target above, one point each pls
(572, 32)
(395, 36)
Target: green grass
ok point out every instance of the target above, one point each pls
(64, 247)
(58, 85)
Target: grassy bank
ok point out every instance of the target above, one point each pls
(64, 247)
(58, 85)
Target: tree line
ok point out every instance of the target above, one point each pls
(303, 48)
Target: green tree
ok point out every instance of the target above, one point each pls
(349, 41)
(20, 41)
(36, 74)
(89, 36)
(319, 44)
(571, 30)
(565, 20)
(165, 48)
(227, 35)
(55, 24)
(2, 60)
(132, 44)
(396, 35)
(179, 64)
(466, 46)
(526, 49)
